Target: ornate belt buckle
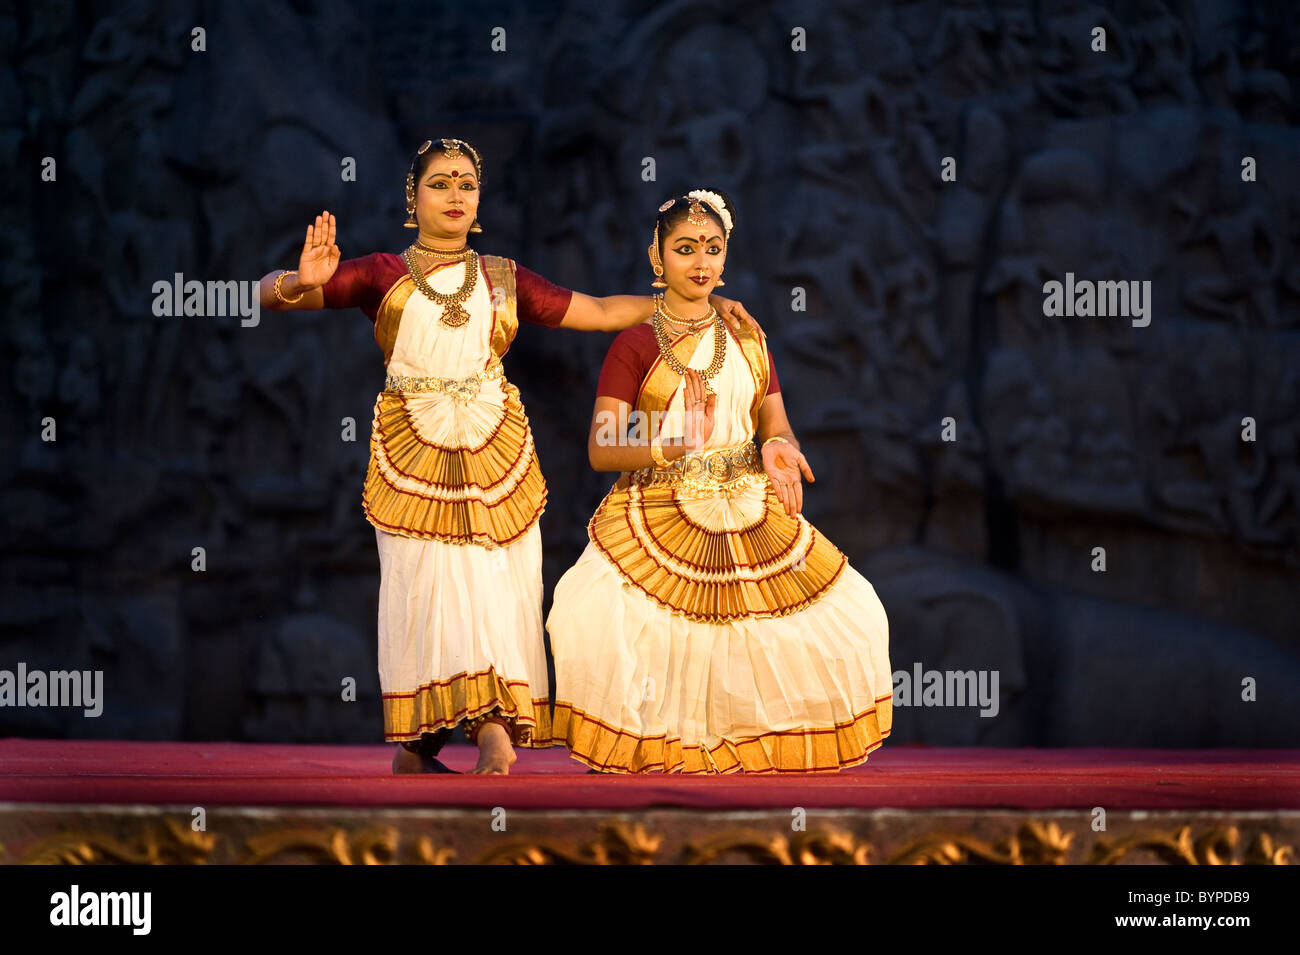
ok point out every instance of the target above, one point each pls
(719, 467)
(462, 389)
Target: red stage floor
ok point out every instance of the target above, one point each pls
(902, 776)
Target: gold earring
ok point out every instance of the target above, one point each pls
(410, 222)
(658, 268)
(656, 262)
(719, 282)
(476, 227)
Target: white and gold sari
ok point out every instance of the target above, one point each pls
(454, 491)
(703, 630)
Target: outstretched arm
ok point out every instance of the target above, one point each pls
(613, 313)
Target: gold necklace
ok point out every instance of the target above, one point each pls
(442, 253)
(693, 329)
(675, 319)
(689, 325)
(685, 329)
(454, 313)
(666, 346)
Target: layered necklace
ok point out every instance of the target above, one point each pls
(691, 325)
(662, 319)
(454, 313)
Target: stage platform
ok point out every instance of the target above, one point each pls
(132, 802)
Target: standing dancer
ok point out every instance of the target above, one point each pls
(708, 627)
(453, 488)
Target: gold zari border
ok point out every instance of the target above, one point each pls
(447, 703)
(817, 750)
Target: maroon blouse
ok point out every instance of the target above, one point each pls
(629, 359)
(362, 283)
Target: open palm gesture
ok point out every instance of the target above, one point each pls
(320, 256)
(786, 466)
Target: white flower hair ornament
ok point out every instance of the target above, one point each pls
(716, 204)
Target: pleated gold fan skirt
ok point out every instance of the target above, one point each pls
(706, 631)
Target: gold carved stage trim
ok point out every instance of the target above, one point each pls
(126, 835)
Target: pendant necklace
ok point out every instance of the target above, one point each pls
(454, 313)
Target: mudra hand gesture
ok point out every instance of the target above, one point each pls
(785, 466)
(700, 408)
(320, 256)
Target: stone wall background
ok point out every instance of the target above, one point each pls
(924, 301)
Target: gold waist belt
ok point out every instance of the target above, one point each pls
(706, 469)
(461, 388)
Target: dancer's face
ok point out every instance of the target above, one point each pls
(693, 259)
(446, 198)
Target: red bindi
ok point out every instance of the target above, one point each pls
(701, 238)
(455, 173)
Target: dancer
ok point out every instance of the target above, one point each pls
(453, 489)
(708, 627)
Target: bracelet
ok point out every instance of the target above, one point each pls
(775, 437)
(280, 295)
(657, 452)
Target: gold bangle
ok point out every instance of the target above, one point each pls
(280, 295)
(657, 452)
(775, 437)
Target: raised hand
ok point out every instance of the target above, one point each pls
(320, 256)
(784, 464)
(700, 408)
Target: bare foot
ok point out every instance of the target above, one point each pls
(495, 754)
(404, 761)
